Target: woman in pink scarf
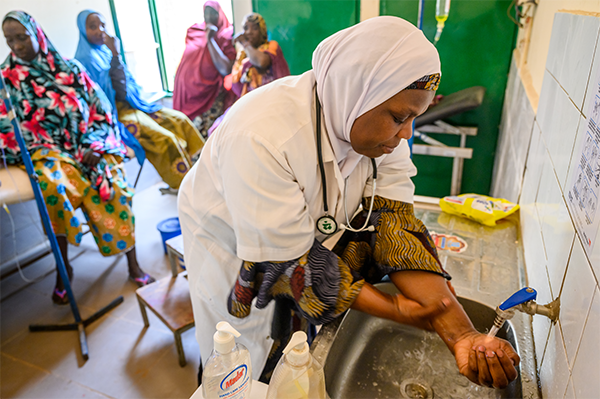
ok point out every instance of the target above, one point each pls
(207, 58)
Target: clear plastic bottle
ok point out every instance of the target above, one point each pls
(227, 373)
(442, 9)
(297, 375)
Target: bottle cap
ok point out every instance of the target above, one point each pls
(297, 351)
(224, 337)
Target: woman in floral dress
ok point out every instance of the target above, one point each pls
(68, 128)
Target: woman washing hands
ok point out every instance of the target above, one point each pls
(290, 163)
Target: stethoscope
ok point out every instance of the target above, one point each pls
(326, 224)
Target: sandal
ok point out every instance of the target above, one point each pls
(143, 281)
(60, 297)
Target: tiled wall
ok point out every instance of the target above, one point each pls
(535, 153)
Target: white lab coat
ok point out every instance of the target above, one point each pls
(255, 195)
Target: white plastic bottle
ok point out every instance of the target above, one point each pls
(227, 373)
(297, 375)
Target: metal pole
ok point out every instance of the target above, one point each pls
(420, 17)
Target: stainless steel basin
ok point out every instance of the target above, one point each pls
(367, 357)
(376, 358)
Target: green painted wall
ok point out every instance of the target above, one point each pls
(475, 50)
(300, 25)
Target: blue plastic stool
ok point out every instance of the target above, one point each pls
(168, 228)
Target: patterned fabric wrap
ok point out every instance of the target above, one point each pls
(427, 82)
(59, 109)
(171, 141)
(400, 241)
(319, 285)
(245, 77)
(207, 121)
(65, 189)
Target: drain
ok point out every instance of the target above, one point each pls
(413, 389)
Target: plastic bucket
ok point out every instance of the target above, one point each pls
(168, 228)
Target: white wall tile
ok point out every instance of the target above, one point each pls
(576, 154)
(579, 41)
(518, 92)
(554, 373)
(586, 375)
(557, 229)
(558, 118)
(537, 276)
(557, 233)
(502, 155)
(561, 27)
(576, 297)
(591, 88)
(509, 183)
(570, 394)
(521, 135)
(533, 170)
(541, 331)
(568, 353)
(512, 83)
(595, 258)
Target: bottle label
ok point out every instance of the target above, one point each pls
(235, 384)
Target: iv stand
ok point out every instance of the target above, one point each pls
(420, 27)
(79, 324)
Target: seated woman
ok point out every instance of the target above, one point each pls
(260, 62)
(168, 138)
(74, 145)
(208, 57)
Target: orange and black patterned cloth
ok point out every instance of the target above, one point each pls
(322, 284)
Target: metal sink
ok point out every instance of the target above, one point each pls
(376, 358)
(369, 357)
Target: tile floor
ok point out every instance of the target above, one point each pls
(126, 360)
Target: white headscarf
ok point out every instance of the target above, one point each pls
(361, 67)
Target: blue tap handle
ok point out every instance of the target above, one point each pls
(519, 297)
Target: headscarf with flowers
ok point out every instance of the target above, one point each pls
(59, 108)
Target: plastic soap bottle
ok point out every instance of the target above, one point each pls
(227, 373)
(297, 375)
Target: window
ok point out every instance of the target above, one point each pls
(153, 34)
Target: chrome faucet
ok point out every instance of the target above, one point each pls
(524, 301)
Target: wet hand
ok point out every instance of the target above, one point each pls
(413, 313)
(486, 361)
(91, 158)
